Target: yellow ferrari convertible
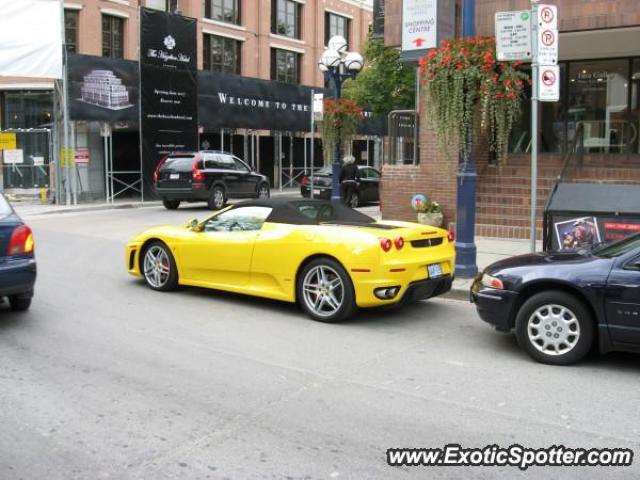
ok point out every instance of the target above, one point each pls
(325, 256)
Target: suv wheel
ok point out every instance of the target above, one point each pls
(216, 198)
(555, 327)
(170, 204)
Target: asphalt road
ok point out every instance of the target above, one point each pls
(104, 378)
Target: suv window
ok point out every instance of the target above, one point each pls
(238, 219)
(240, 165)
(180, 164)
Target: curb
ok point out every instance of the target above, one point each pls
(89, 208)
(458, 294)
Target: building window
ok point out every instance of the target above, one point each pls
(335, 25)
(71, 30)
(285, 66)
(597, 97)
(222, 10)
(222, 54)
(285, 18)
(112, 36)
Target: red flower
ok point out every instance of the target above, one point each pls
(459, 65)
(422, 62)
(507, 83)
(518, 63)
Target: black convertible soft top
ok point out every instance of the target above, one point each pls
(308, 212)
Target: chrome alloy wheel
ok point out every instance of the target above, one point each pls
(553, 329)
(263, 192)
(157, 267)
(218, 199)
(323, 290)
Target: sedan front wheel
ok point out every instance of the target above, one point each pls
(555, 327)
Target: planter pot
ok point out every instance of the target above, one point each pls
(433, 219)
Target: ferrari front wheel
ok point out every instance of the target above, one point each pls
(325, 291)
(159, 267)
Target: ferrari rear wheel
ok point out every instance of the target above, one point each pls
(325, 291)
(159, 267)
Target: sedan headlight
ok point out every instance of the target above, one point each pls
(492, 282)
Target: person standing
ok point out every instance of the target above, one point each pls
(349, 176)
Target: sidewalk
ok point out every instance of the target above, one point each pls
(30, 208)
(489, 249)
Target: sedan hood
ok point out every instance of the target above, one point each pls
(542, 258)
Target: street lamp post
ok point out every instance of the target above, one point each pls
(338, 65)
(466, 266)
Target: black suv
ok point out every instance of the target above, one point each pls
(209, 176)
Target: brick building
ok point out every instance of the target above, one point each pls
(600, 94)
(279, 40)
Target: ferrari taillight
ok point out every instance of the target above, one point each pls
(385, 244)
(21, 241)
(305, 181)
(156, 172)
(399, 243)
(451, 236)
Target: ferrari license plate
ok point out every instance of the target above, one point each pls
(434, 270)
(316, 191)
(174, 176)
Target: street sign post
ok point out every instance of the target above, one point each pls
(513, 35)
(532, 36)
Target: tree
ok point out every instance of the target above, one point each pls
(385, 83)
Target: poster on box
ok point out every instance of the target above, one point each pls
(577, 233)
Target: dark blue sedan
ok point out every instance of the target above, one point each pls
(17, 260)
(561, 304)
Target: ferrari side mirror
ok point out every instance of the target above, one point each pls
(194, 225)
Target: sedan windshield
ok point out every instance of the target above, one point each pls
(618, 248)
(5, 208)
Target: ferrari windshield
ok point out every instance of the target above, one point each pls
(619, 248)
(238, 219)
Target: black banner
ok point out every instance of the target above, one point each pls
(378, 18)
(231, 101)
(169, 88)
(103, 89)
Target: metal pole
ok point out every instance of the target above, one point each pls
(75, 171)
(416, 133)
(337, 164)
(313, 135)
(111, 164)
(534, 140)
(106, 163)
(65, 112)
(280, 160)
(291, 137)
(466, 252)
(222, 139)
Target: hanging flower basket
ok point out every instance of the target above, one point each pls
(341, 118)
(462, 76)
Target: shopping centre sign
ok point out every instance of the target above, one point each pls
(425, 23)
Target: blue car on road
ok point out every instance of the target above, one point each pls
(17, 259)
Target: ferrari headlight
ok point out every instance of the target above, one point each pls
(492, 282)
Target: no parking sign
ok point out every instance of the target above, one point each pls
(549, 83)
